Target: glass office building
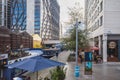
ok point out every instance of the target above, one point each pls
(18, 15)
(37, 17)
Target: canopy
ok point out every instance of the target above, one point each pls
(35, 64)
(94, 48)
(37, 41)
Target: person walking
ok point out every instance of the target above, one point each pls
(56, 55)
(81, 54)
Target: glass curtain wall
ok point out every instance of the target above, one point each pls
(37, 17)
(18, 14)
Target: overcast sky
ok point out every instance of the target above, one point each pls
(64, 4)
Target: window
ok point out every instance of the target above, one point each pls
(101, 20)
(101, 6)
(98, 23)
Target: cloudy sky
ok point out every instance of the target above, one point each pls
(64, 4)
(64, 17)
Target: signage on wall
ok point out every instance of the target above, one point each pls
(112, 45)
(3, 56)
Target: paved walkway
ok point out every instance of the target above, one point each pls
(105, 71)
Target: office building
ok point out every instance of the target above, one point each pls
(102, 22)
(50, 19)
(3, 12)
(43, 18)
(17, 11)
(33, 16)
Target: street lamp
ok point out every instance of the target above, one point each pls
(77, 68)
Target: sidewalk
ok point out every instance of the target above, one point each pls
(105, 71)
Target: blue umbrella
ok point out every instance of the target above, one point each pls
(35, 64)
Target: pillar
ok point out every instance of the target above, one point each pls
(104, 47)
(99, 45)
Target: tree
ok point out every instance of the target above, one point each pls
(70, 42)
(75, 12)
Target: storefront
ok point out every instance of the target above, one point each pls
(3, 62)
(109, 47)
(113, 50)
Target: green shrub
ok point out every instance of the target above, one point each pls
(57, 74)
(71, 57)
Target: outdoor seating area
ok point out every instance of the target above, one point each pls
(18, 54)
(35, 64)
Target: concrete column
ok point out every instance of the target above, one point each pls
(99, 45)
(104, 47)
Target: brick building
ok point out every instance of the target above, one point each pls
(12, 40)
(4, 39)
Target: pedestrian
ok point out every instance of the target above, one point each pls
(56, 54)
(83, 56)
(95, 57)
(80, 56)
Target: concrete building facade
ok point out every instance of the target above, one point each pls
(43, 18)
(3, 13)
(102, 22)
(50, 20)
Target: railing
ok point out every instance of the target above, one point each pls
(48, 53)
(16, 55)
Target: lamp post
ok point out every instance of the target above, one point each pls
(77, 68)
(76, 42)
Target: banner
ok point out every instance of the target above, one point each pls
(88, 63)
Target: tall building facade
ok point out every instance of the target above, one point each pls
(3, 12)
(17, 11)
(43, 18)
(50, 19)
(37, 17)
(102, 22)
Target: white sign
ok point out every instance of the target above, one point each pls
(17, 78)
(112, 45)
(3, 56)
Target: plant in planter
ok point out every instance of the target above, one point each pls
(46, 78)
(71, 57)
(57, 74)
